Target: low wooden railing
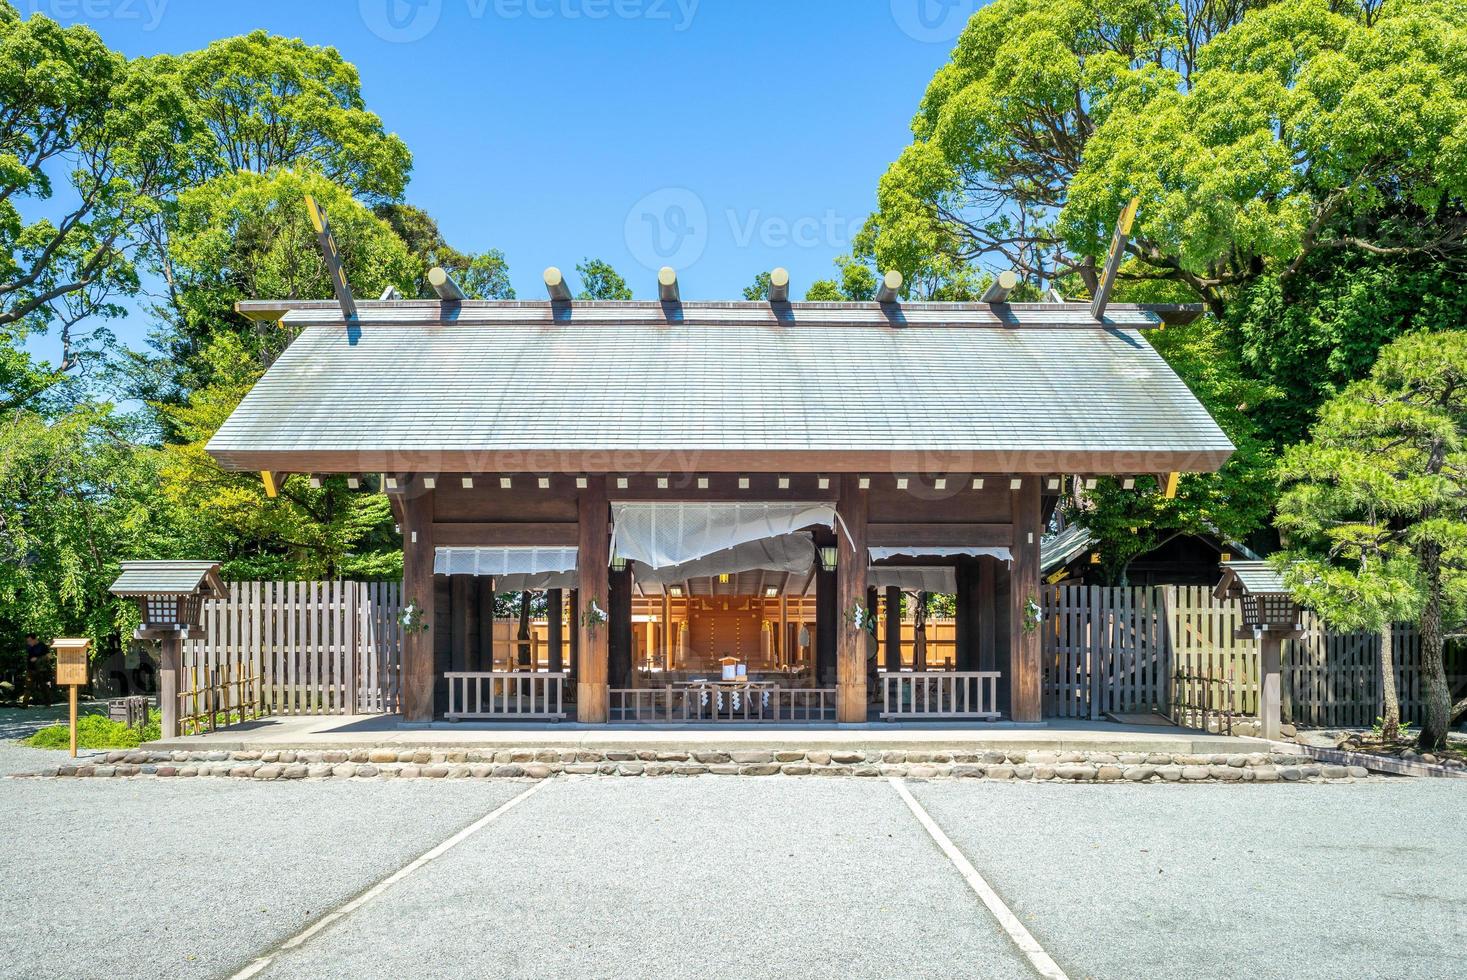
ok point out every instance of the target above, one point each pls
(498, 694)
(940, 694)
(212, 697)
(751, 702)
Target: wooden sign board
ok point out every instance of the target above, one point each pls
(71, 661)
(71, 673)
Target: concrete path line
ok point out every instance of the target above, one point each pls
(1009, 922)
(442, 848)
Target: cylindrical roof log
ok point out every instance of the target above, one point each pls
(444, 285)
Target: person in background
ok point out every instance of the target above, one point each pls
(37, 660)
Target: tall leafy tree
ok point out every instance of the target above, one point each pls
(1379, 501)
(481, 276)
(600, 281)
(70, 106)
(247, 235)
(305, 532)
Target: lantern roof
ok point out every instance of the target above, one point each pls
(161, 578)
(1250, 577)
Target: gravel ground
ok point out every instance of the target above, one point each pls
(752, 877)
(1348, 880)
(193, 877)
(675, 878)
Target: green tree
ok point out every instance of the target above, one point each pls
(1233, 503)
(1313, 334)
(600, 281)
(1255, 135)
(758, 289)
(326, 532)
(1302, 131)
(481, 276)
(70, 106)
(247, 235)
(269, 102)
(857, 284)
(1382, 481)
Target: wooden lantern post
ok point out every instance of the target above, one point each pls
(1271, 615)
(71, 671)
(170, 597)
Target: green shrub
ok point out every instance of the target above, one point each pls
(97, 732)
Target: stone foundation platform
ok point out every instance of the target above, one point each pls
(542, 763)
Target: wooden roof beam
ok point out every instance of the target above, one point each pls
(779, 285)
(556, 287)
(444, 285)
(891, 283)
(667, 290)
(998, 290)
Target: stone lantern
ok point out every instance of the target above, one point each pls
(1271, 616)
(170, 595)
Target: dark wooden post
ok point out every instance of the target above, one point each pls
(1025, 698)
(170, 661)
(1270, 711)
(825, 630)
(592, 567)
(417, 585)
(554, 610)
(619, 645)
(986, 625)
(461, 587)
(893, 629)
(965, 633)
(573, 614)
(850, 591)
(485, 659)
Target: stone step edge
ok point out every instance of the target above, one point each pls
(544, 763)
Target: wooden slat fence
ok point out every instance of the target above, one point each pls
(1119, 649)
(310, 647)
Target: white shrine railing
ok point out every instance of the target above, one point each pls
(505, 695)
(712, 701)
(940, 694)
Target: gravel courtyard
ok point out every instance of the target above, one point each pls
(754, 877)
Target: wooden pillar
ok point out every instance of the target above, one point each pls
(462, 587)
(417, 586)
(170, 660)
(825, 619)
(573, 614)
(620, 645)
(666, 631)
(592, 569)
(986, 623)
(850, 593)
(1270, 709)
(554, 610)
(1025, 699)
(485, 658)
(893, 629)
(965, 626)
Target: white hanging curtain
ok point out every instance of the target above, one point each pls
(660, 535)
(514, 569)
(880, 554)
(913, 578)
(786, 553)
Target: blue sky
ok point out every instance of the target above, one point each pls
(722, 137)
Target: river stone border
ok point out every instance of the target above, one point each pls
(527, 763)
